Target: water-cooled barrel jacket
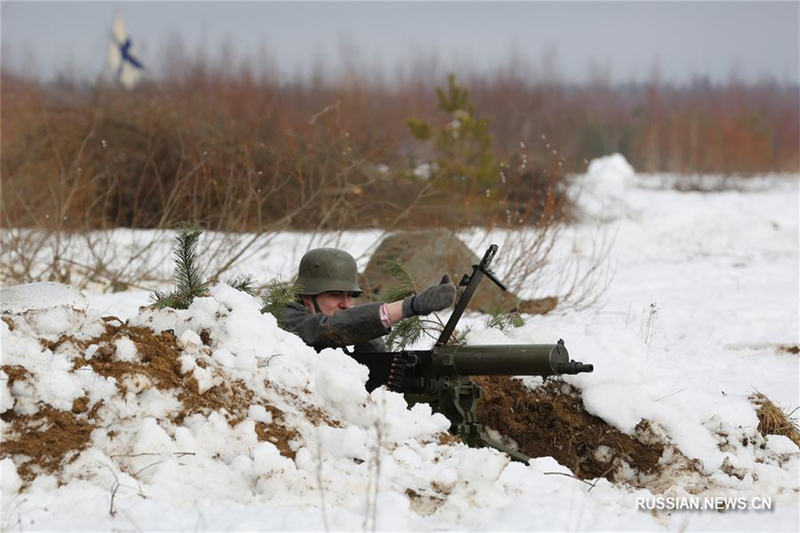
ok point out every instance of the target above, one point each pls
(359, 326)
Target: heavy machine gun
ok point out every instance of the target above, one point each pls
(441, 376)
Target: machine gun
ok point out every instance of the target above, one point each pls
(441, 376)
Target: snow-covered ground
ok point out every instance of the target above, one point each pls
(254, 431)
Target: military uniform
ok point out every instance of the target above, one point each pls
(359, 326)
(328, 269)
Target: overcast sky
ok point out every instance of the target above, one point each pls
(622, 40)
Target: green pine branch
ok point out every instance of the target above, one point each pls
(188, 275)
(505, 320)
(404, 286)
(409, 330)
(277, 295)
(245, 283)
(405, 333)
(187, 271)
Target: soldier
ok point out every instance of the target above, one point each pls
(324, 316)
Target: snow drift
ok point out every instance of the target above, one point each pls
(213, 418)
(111, 423)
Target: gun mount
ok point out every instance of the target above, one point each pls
(441, 376)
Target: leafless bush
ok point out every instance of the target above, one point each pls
(70, 179)
(532, 233)
(227, 156)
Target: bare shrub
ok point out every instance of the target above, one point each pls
(243, 159)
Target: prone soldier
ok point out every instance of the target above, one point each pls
(324, 315)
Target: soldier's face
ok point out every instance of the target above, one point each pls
(331, 302)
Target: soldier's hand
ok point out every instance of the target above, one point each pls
(432, 299)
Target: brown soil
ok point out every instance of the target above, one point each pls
(159, 354)
(318, 417)
(314, 414)
(277, 434)
(160, 363)
(15, 373)
(551, 421)
(447, 439)
(80, 405)
(45, 439)
(426, 502)
(41, 442)
(231, 398)
(63, 339)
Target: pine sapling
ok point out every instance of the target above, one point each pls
(245, 283)
(410, 330)
(406, 331)
(189, 277)
(503, 321)
(277, 295)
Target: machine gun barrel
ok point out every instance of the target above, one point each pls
(440, 377)
(507, 360)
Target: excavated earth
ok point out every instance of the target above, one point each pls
(546, 421)
(50, 438)
(551, 420)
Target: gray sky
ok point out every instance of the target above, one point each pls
(625, 40)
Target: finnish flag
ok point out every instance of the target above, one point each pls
(127, 68)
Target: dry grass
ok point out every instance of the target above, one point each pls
(233, 153)
(772, 420)
(236, 153)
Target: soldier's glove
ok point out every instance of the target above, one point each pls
(432, 299)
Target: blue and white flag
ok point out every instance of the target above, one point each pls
(127, 68)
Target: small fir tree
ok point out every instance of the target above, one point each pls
(277, 295)
(411, 329)
(189, 278)
(504, 321)
(463, 144)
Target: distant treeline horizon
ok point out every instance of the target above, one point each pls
(216, 126)
(659, 126)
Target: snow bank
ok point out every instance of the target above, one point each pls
(50, 308)
(278, 425)
(599, 194)
(213, 417)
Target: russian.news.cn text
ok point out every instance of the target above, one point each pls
(711, 503)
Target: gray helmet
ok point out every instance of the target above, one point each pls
(327, 269)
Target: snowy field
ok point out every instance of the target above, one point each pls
(249, 429)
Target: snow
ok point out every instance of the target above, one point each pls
(704, 293)
(44, 295)
(601, 190)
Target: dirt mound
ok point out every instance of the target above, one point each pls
(159, 355)
(551, 421)
(43, 441)
(429, 254)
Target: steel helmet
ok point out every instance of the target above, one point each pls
(327, 269)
